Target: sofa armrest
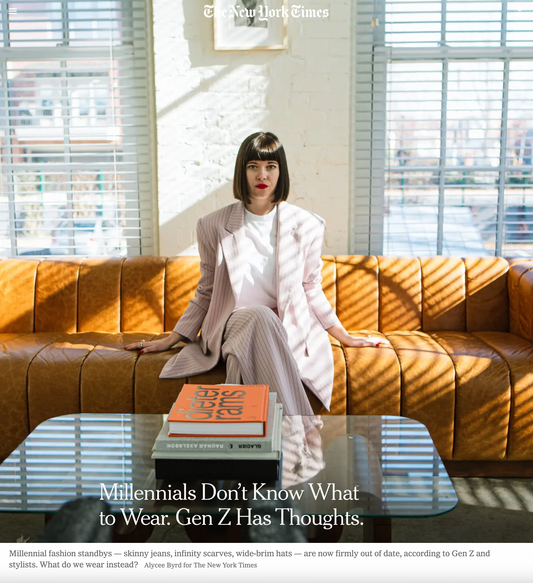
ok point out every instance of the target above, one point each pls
(520, 285)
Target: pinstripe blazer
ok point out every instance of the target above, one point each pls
(302, 306)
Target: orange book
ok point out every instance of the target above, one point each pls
(224, 410)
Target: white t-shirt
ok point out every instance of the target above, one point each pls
(259, 280)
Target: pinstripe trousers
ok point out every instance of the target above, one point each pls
(256, 351)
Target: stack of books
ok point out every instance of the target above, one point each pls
(221, 432)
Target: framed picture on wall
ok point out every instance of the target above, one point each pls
(247, 25)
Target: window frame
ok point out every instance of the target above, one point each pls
(373, 57)
(134, 55)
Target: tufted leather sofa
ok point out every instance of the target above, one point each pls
(461, 360)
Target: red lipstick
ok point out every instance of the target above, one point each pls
(261, 186)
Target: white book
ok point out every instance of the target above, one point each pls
(195, 443)
(234, 453)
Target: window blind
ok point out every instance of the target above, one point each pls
(76, 129)
(444, 110)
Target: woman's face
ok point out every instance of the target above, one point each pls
(262, 177)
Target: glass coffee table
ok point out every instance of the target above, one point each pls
(374, 467)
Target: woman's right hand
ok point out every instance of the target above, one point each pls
(361, 341)
(155, 345)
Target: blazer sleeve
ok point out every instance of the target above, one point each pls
(190, 323)
(312, 283)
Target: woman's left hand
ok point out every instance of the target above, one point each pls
(340, 334)
(360, 341)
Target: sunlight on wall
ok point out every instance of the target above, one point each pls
(208, 101)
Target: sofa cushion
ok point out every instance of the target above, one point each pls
(487, 300)
(373, 379)
(108, 373)
(516, 271)
(99, 295)
(414, 378)
(142, 299)
(181, 280)
(428, 385)
(88, 372)
(518, 354)
(17, 351)
(474, 392)
(443, 294)
(56, 296)
(357, 292)
(525, 317)
(17, 294)
(400, 294)
(6, 336)
(482, 397)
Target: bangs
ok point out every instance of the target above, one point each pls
(264, 147)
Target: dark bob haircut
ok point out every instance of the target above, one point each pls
(260, 146)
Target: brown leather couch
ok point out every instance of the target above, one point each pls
(461, 360)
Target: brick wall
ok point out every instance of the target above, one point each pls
(208, 101)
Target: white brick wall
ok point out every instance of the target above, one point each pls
(208, 101)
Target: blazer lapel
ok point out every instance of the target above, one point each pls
(288, 250)
(233, 243)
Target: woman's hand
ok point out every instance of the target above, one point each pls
(340, 334)
(156, 345)
(359, 341)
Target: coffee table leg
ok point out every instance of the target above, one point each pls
(377, 530)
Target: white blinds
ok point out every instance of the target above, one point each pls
(444, 102)
(75, 129)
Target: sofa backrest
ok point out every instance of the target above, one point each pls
(428, 294)
(520, 287)
(151, 293)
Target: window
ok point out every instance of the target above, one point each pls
(47, 105)
(444, 128)
(47, 102)
(100, 101)
(75, 129)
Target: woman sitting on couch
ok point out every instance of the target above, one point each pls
(259, 302)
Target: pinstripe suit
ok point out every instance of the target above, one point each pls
(302, 306)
